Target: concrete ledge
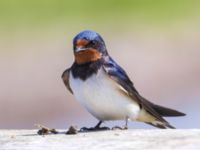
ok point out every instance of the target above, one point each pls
(181, 139)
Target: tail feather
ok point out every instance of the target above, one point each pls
(167, 112)
(158, 112)
(164, 112)
(161, 125)
(157, 125)
(170, 126)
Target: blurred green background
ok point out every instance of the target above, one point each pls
(45, 14)
(156, 41)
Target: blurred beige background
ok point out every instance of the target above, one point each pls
(157, 43)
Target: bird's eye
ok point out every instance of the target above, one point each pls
(92, 43)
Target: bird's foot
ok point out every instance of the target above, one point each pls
(119, 128)
(85, 129)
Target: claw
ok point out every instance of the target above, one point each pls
(96, 128)
(85, 129)
(119, 128)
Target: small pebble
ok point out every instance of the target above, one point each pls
(72, 130)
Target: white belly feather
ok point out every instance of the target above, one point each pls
(101, 96)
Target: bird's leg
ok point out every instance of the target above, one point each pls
(98, 125)
(122, 128)
(126, 124)
(96, 128)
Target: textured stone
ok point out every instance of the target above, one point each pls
(137, 139)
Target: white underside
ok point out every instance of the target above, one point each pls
(105, 99)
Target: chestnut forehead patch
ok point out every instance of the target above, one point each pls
(81, 43)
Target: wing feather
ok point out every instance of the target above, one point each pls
(65, 77)
(116, 73)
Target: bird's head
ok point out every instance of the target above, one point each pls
(88, 47)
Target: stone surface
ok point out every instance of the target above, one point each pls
(137, 139)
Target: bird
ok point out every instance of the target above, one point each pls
(104, 88)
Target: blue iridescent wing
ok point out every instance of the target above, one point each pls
(116, 73)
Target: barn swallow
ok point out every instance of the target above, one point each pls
(104, 88)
